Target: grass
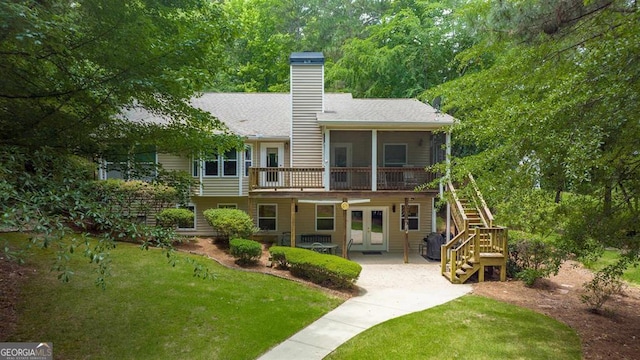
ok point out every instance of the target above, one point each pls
(151, 310)
(470, 327)
(609, 257)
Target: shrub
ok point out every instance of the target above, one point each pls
(600, 289)
(230, 223)
(245, 251)
(174, 217)
(326, 270)
(530, 258)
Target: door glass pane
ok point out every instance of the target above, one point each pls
(272, 161)
(377, 232)
(356, 227)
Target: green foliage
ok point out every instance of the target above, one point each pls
(531, 258)
(71, 70)
(326, 270)
(230, 223)
(481, 324)
(410, 50)
(550, 105)
(175, 217)
(600, 289)
(54, 195)
(226, 317)
(245, 251)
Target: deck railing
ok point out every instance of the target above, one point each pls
(340, 178)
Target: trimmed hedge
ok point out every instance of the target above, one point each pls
(245, 251)
(174, 217)
(230, 223)
(323, 269)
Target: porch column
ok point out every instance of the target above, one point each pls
(250, 212)
(327, 159)
(448, 177)
(406, 230)
(293, 223)
(344, 227)
(374, 160)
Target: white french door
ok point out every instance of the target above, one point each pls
(367, 227)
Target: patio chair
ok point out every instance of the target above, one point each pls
(285, 239)
(349, 248)
(319, 248)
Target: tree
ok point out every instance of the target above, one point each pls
(411, 50)
(554, 107)
(73, 74)
(70, 68)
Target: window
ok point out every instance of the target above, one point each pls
(267, 216)
(191, 225)
(325, 217)
(413, 215)
(230, 163)
(212, 165)
(139, 164)
(395, 155)
(248, 159)
(227, 206)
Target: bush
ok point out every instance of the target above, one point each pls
(530, 258)
(230, 223)
(600, 289)
(245, 251)
(174, 217)
(326, 270)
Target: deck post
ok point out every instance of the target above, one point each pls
(406, 230)
(292, 237)
(344, 229)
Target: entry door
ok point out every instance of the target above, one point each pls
(272, 157)
(367, 227)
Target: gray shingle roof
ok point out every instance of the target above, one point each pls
(268, 115)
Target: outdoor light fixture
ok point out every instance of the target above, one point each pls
(393, 207)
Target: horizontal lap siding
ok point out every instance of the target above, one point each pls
(174, 162)
(220, 186)
(306, 97)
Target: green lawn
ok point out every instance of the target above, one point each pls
(609, 257)
(151, 310)
(470, 327)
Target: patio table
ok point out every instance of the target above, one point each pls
(329, 246)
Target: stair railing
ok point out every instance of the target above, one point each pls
(485, 213)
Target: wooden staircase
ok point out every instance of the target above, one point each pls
(478, 243)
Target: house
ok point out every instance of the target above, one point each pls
(321, 163)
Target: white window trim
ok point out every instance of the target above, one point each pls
(245, 169)
(410, 217)
(384, 154)
(258, 216)
(222, 159)
(333, 217)
(195, 218)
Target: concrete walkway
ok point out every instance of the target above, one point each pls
(390, 289)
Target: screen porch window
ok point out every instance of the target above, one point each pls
(325, 217)
(395, 155)
(413, 212)
(267, 217)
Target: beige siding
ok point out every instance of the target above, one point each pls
(174, 162)
(219, 186)
(306, 97)
(204, 203)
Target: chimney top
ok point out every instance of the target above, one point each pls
(306, 58)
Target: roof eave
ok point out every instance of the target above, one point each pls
(384, 124)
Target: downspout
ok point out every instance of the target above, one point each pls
(448, 177)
